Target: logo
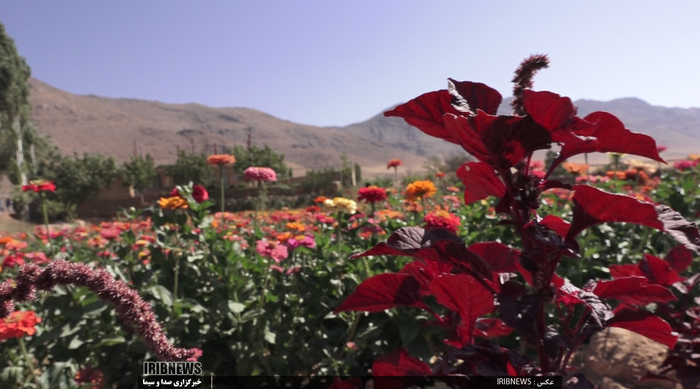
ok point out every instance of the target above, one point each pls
(172, 368)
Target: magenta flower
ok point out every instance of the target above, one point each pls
(684, 165)
(259, 174)
(270, 249)
(308, 242)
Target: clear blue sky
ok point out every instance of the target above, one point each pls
(339, 62)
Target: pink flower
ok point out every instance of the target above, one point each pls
(277, 268)
(259, 174)
(684, 165)
(271, 249)
(110, 233)
(661, 148)
(306, 241)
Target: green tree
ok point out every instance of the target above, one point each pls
(139, 173)
(14, 101)
(190, 168)
(262, 157)
(78, 179)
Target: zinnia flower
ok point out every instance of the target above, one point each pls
(173, 203)
(270, 249)
(394, 163)
(420, 189)
(199, 194)
(439, 174)
(442, 219)
(40, 186)
(221, 159)
(306, 241)
(684, 165)
(90, 375)
(341, 204)
(259, 174)
(18, 324)
(372, 194)
(575, 168)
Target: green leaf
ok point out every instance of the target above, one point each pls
(235, 307)
(68, 331)
(270, 336)
(161, 293)
(11, 373)
(110, 341)
(75, 343)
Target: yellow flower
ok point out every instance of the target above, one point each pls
(420, 189)
(173, 203)
(341, 204)
(694, 157)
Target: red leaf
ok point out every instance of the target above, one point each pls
(480, 182)
(382, 292)
(679, 258)
(658, 271)
(549, 109)
(633, 290)
(399, 363)
(436, 245)
(425, 112)
(478, 95)
(556, 224)
(620, 271)
(607, 135)
(500, 141)
(464, 295)
(593, 206)
(645, 324)
(493, 327)
(501, 257)
(425, 272)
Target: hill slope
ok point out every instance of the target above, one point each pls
(677, 128)
(110, 126)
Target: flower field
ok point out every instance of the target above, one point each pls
(506, 274)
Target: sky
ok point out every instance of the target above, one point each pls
(333, 63)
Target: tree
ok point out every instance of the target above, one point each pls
(256, 156)
(78, 179)
(14, 100)
(139, 173)
(190, 168)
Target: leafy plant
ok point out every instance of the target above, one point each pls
(483, 291)
(139, 173)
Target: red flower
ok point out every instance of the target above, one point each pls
(661, 148)
(394, 163)
(439, 174)
(199, 194)
(40, 186)
(442, 219)
(90, 375)
(18, 324)
(371, 194)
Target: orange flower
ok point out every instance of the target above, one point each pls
(575, 168)
(394, 163)
(18, 324)
(221, 159)
(173, 203)
(5, 239)
(296, 226)
(420, 189)
(320, 199)
(442, 219)
(284, 237)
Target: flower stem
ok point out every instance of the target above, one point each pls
(221, 184)
(28, 359)
(175, 286)
(46, 222)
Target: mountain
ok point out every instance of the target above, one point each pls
(110, 126)
(676, 128)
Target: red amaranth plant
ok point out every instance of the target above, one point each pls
(516, 287)
(135, 314)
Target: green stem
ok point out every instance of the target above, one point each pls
(588, 176)
(221, 183)
(28, 359)
(46, 222)
(339, 235)
(175, 286)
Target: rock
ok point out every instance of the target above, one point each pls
(615, 358)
